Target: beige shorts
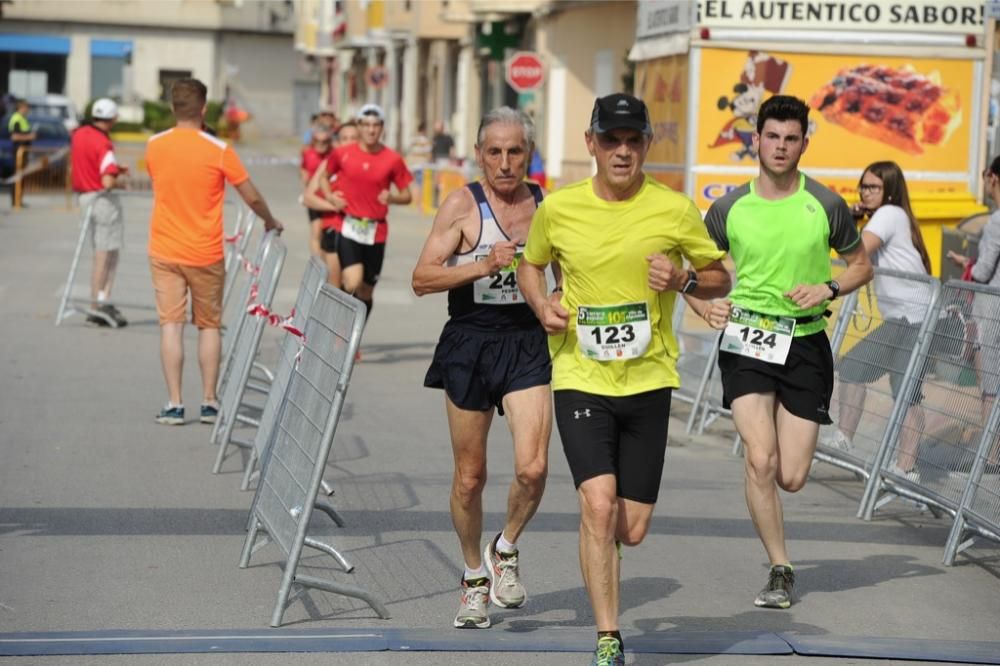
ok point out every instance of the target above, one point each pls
(107, 226)
(172, 283)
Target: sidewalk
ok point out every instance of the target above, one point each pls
(113, 523)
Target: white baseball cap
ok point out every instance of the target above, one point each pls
(104, 109)
(372, 110)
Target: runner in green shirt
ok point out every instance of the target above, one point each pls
(777, 368)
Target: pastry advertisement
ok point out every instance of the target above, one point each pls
(913, 111)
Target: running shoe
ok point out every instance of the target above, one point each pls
(839, 441)
(778, 591)
(209, 412)
(115, 315)
(608, 652)
(506, 590)
(472, 612)
(171, 415)
(912, 475)
(97, 322)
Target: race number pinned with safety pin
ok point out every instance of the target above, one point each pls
(501, 287)
(359, 229)
(613, 332)
(757, 335)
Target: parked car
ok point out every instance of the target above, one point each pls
(55, 106)
(50, 133)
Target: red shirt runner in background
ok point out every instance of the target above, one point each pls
(362, 175)
(311, 160)
(92, 156)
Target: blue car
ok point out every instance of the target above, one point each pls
(50, 133)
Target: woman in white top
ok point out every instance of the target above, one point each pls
(892, 239)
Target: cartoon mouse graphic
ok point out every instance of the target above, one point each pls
(746, 99)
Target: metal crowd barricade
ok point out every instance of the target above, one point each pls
(234, 326)
(315, 274)
(292, 471)
(244, 348)
(978, 512)
(868, 344)
(73, 302)
(695, 343)
(236, 245)
(957, 357)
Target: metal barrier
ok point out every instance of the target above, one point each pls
(71, 302)
(236, 245)
(233, 327)
(959, 355)
(292, 470)
(978, 512)
(245, 345)
(315, 274)
(875, 358)
(696, 341)
(39, 170)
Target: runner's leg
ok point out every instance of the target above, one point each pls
(753, 415)
(468, 430)
(112, 268)
(315, 234)
(599, 563)
(99, 275)
(529, 416)
(796, 446)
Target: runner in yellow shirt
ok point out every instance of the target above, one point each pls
(620, 238)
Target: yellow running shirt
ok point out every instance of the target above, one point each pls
(601, 247)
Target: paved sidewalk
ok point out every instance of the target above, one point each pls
(111, 522)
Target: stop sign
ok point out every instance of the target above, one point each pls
(525, 71)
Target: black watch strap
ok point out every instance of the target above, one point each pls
(691, 284)
(834, 287)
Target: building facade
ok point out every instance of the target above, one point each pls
(132, 50)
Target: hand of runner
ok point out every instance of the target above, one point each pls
(383, 197)
(717, 314)
(501, 256)
(809, 295)
(664, 275)
(555, 318)
(338, 200)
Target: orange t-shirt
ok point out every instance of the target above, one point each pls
(189, 169)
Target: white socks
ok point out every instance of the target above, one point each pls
(472, 574)
(504, 546)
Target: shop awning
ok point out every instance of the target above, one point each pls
(44, 44)
(110, 48)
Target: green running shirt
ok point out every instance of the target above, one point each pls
(778, 245)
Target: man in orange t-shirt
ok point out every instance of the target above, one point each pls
(189, 169)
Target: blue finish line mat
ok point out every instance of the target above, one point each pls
(454, 640)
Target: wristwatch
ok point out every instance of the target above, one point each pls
(834, 287)
(691, 284)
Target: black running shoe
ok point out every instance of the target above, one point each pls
(97, 322)
(115, 315)
(778, 592)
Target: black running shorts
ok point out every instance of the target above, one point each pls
(477, 368)
(621, 435)
(803, 385)
(369, 256)
(885, 350)
(329, 240)
(314, 214)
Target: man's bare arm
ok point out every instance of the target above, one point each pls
(431, 275)
(255, 201)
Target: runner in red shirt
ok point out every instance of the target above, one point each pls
(95, 177)
(365, 171)
(331, 219)
(313, 156)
